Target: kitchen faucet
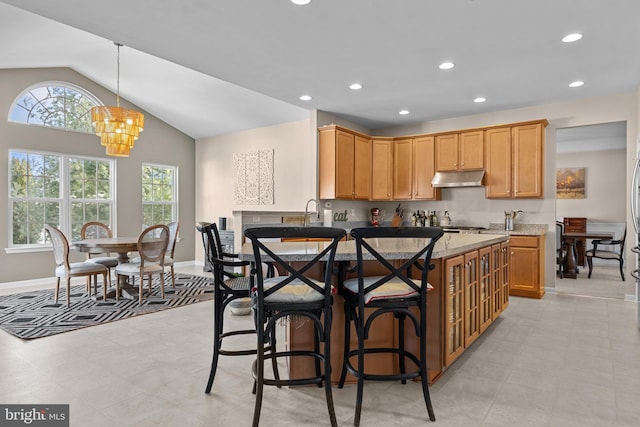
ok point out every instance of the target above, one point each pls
(306, 211)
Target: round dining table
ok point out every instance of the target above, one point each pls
(122, 246)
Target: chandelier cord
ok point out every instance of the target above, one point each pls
(118, 77)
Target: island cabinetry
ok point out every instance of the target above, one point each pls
(471, 298)
(499, 285)
(459, 151)
(514, 161)
(345, 164)
(504, 277)
(485, 288)
(526, 270)
(413, 169)
(462, 304)
(454, 312)
(381, 168)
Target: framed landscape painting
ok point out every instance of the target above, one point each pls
(570, 183)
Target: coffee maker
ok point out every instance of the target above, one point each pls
(376, 219)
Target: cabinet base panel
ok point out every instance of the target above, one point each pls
(526, 293)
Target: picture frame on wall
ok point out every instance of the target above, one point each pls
(570, 183)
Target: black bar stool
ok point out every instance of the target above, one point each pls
(294, 295)
(227, 288)
(395, 292)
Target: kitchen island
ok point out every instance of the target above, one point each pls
(470, 280)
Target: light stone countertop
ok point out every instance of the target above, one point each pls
(449, 245)
(518, 229)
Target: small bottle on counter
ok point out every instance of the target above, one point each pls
(434, 219)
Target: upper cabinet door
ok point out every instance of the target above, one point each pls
(424, 168)
(498, 161)
(362, 168)
(528, 160)
(402, 169)
(471, 150)
(447, 152)
(345, 161)
(381, 169)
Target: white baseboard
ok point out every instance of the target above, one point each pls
(51, 281)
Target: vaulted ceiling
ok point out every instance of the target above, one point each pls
(214, 67)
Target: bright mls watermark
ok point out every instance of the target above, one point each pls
(34, 415)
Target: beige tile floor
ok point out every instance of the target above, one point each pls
(564, 360)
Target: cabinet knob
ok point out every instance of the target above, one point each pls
(462, 164)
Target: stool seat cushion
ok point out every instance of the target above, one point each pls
(168, 261)
(81, 268)
(107, 261)
(130, 268)
(296, 291)
(391, 290)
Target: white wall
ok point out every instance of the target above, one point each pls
(295, 170)
(605, 190)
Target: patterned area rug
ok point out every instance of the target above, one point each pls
(33, 314)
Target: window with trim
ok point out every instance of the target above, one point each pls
(159, 194)
(55, 104)
(57, 189)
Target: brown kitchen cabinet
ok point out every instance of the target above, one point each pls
(471, 298)
(485, 296)
(345, 164)
(526, 266)
(454, 308)
(462, 304)
(505, 254)
(459, 151)
(499, 266)
(577, 225)
(413, 169)
(514, 158)
(382, 168)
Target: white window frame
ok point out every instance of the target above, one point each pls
(175, 189)
(88, 95)
(65, 199)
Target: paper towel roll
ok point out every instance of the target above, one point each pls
(328, 216)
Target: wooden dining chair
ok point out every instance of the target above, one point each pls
(67, 270)
(152, 247)
(614, 251)
(98, 230)
(174, 227)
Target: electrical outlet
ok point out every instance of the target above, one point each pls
(256, 219)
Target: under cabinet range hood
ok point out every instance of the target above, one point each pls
(458, 179)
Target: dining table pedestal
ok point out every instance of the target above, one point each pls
(120, 245)
(570, 265)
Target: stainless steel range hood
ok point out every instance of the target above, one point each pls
(458, 179)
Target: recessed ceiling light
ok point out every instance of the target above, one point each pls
(479, 99)
(403, 112)
(569, 38)
(577, 83)
(355, 86)
(305, 98)
(300, 2)
(446, 65)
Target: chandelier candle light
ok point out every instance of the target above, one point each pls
(117, 127)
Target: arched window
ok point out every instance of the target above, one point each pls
(55, 104)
